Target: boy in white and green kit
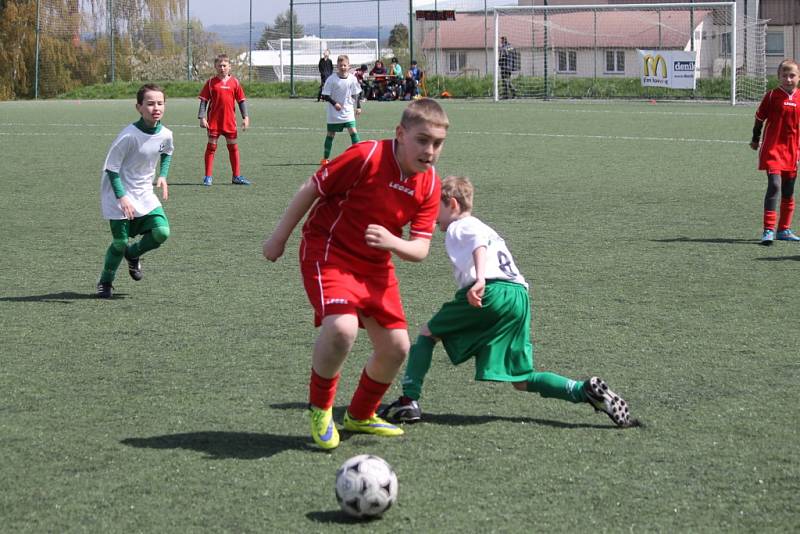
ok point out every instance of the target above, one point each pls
(126, 188)
(488, 320)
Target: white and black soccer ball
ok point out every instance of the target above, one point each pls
(366, 486)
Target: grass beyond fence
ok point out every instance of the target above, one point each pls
(179, 406)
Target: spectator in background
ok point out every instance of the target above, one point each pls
(378, 75)
(506, 62)
(409, 86)
(325, 70)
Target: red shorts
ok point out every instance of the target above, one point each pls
(217, 133)
(332, 290)
(786, 175)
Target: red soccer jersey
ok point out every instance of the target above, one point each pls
(365, 186)
(222, 96)
(780, 147)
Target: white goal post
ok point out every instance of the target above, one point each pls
(597, 49)
(307, 53)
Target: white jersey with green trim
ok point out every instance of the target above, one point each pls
(463, 236)
(135, 156)
(343, 91)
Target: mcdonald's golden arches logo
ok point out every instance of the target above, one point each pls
(651, 64)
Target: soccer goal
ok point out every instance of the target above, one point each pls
(608, 51)
(302, 55)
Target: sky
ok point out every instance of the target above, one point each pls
(236, 11)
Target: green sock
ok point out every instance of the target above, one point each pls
(557, 387)
(354, 138)
(149, 241)
(114, 256)
(328, 146)
(419, 361)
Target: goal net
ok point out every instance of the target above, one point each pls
(307, 53)
(603, 51)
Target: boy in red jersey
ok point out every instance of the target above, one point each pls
(359, 204)
(780, 150)
(217, 114)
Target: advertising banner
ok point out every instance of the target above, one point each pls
(668, 68)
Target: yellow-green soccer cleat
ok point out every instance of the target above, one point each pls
(374, 425)
(322, 428)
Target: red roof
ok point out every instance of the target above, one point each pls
(618, 29)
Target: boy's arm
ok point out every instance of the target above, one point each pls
(274, 246)
(413, 249)
(119, 192)
(475, 293)
(201, 113)
(756, 140)
(245, 116)
(163, 171)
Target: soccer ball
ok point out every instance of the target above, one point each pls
(366, 486)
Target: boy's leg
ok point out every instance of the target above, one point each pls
(390, 349)
(771, 207)
(787, 208)
(115, 251)
(208, 158)
(354, 137)
(419, 363)
(154, 229)
(336, 337)
(551, 385)
(328, 145)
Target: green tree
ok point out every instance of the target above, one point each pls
(280, 29)
(398, 37)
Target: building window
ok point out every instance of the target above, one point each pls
(775, 43)
(457, 61)
(725, 43)
(615, 61)
(567, 61)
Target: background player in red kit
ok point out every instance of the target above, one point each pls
(359, 204)
(217, 114)
(780, 150)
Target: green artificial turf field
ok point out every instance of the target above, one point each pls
(179, 405)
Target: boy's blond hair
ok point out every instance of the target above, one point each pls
(459, 188)
(343, 57)
(220, 58)
(424, 111)
(787, 64)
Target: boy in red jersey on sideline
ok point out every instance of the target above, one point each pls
(217, 114)
(780, 150)
(359, 204)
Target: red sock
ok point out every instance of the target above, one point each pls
(209, 158)
(367, 397)
(233, 154)
(770, 217)
(787, 211)
(322, 391)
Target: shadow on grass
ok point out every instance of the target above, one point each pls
(63, 297)
(452, 419)
(336, 516)
(780, 258)
(220, 445)
(713, 240)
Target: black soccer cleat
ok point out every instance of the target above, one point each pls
(135, 268)
(403, 410)
(602, 399)
(104, 290)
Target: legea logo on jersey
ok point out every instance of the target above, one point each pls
(400, 187)
(328, 302)
(651, 64)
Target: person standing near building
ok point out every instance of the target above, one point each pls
(325, 70)
(506, 62)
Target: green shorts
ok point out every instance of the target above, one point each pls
(340, 126)
(124, 228)
(496, 335)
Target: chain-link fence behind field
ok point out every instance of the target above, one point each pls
(84, 42)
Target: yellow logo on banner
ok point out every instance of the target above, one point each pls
(651, 64)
